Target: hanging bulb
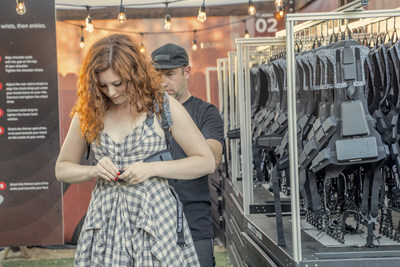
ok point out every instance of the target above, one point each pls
(246, 34)
(142, 48)
(252, 9)
(121, 14)
(202, 14)
(194, 45)
(278, 3)
(167, 24)
(21, 9)
(279, 14)
(82, 42)
(89, 24)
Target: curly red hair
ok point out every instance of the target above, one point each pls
(142, 82)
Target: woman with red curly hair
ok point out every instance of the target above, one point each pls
(133, 219)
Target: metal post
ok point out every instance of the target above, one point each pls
(247, 140)
(220, 84)
(232, 116)
(236, 122)
(225, 98)
(292, 134)
(208, 86)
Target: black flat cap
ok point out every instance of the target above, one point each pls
(169, 56)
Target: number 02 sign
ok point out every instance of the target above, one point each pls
(267, 25)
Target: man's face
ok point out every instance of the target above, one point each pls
(175, 82)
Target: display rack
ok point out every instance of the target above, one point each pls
(291, 96)
(258, 231)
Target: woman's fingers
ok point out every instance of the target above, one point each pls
(106, 169)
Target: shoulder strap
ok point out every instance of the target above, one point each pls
(165, 127)
(88, 150)
(165, 121)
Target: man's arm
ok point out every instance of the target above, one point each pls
(216, 149)
(212, 129)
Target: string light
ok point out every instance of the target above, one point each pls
(252, 8)
(82, 42)
(202, 13)
(279, 14)
(172, 32)
(279, 9)
(21, 9)
(142, 48)
(121, 13)
(167, 25)
(194, 43)
(246, 32)
(89, 24)
(167, 20)
(278, 4)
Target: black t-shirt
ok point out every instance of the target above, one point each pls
(195, 194)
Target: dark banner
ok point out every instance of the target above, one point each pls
(30, 195)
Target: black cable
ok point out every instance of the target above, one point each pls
(126, 5)
(165, 32)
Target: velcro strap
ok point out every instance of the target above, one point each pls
(179, 217)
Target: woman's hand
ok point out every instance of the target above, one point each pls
(137, 173)
(106, 169)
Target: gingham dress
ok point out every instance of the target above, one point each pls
(133, 225)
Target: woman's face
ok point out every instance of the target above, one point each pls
(110, 83)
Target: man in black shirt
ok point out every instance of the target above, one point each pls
(173, 63)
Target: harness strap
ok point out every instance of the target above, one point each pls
(165, 127)
(365, 194)
(374, 205)
(179, 219)
(314, 196)
(278, 208)
(257, 160)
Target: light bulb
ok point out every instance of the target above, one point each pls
(278, 3)
(142, 49)
(21, 9)
(246, 34)
(121, 14)
(194, 45)
(167, 24)
(89, 24)
(202, 14)
(252, 9)
(121, 17)
(82, 42)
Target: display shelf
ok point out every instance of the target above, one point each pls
(262, 230)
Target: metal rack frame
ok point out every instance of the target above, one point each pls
(222, 73)
(208, 85)
(243, 55)
(233, 114)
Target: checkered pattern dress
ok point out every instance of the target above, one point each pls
(133, 225)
